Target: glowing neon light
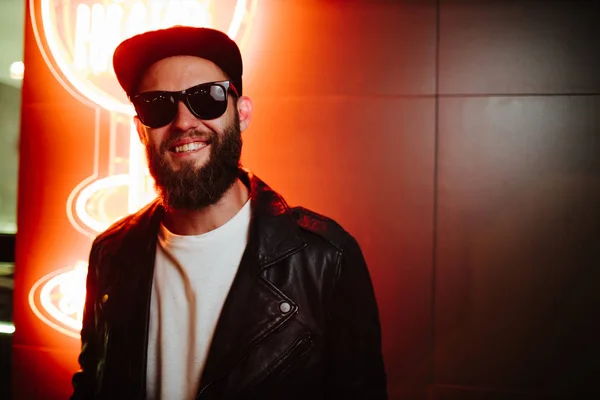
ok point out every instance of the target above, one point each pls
(7, 328)
(103, 220)
(58, 298)
(141, 185)
(17, 70)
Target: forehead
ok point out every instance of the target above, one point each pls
(178, 73)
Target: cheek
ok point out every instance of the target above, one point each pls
(216, 125)
(220, 125)
(155, 140)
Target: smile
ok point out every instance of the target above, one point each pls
(189, 147)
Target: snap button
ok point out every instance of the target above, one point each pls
(285, 307)
(104, 298)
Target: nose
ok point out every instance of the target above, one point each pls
(184, 119)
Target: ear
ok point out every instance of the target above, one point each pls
(244, 106)
(141, 130)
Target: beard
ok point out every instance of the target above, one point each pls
(191, 187)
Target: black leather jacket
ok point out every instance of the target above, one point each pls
(326, 346)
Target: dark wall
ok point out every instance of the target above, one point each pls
(458, 141)
(518, 195)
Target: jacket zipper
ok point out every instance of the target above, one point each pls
(296, 349)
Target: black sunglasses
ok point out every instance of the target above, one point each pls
(206, 101)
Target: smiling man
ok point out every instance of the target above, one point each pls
(218, 289)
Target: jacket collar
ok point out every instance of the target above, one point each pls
(273, 231)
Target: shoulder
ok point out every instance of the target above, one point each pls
(323, 227)
(113, 232)
(133, 226)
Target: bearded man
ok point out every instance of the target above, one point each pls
(218, 289)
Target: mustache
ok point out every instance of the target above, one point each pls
(208, 137)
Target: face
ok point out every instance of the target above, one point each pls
(193, 161)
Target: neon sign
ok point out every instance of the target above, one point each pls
(58, 299)
(77, 39)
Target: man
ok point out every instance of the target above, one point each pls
(218, 289)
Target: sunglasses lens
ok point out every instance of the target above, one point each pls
(207, 101)
(155, 109)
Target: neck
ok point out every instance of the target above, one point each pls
(197, 222)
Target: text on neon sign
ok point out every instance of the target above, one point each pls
(99, 28)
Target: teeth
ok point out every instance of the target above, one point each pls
(188, 147)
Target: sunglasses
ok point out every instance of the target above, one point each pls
(206, 101)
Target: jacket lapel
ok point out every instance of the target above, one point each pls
(252, 308)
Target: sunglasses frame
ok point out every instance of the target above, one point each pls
(183, 96)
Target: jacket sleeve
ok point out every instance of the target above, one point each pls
(356, 368)
(84, 380)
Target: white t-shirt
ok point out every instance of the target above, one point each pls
(192, 277)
